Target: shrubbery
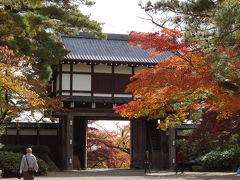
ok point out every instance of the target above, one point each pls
(218, 161)
(210, 156)
(38, 150)
(10, 163)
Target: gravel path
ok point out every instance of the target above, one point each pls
(130, 174)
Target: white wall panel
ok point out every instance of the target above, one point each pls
(65, 81)
(12, 132)
(81, 68)
(102, 68)
(65, 93)
(123, 70)
(48, 132)
(122, 95)
(81, 94)
(57, 83)
(27, 132)
(102, 95)
(66, 67)
(82, 82)
(138, 69)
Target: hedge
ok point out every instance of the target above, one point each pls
(38, 150)
(10, 163)
(221, 161)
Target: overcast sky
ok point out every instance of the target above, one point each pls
(119, 16)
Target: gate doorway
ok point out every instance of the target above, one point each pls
(101, 144)
(108, 144)
(143, 133)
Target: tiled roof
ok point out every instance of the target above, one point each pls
(115, 49)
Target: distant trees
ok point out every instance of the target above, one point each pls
(109, 148)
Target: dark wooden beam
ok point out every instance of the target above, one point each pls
(114, 63)
(69, 141)
(172, 147)
(71, 79)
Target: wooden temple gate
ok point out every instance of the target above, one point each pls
(73, 135)
(92, 79)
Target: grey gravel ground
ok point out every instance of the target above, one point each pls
(130, 174)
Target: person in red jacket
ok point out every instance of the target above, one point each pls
(180, 161)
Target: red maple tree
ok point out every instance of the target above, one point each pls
(109, 148)
(178, 85)
(214, 129)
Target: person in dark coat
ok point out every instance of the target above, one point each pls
(180, 162)
(147, 162)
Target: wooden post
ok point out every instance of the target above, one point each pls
(69, 142)
(131, 143)
(62, 141)
(80, 140)
(138, 143)
(85, 144)
(172, 147)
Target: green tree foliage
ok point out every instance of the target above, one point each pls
(32, 27)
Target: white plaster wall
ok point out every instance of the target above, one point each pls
(65, 81)
(66, 67)
(81, 68)
(122, 95)
(123, 70)
(102, 68)
(27, 132)
(138, 69)
(12, 132)
(51, 132)
(65, 93)
(81, 94)
(102, 95)
(82, 82)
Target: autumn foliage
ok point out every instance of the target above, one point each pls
(19, 88)
(213, 129)
(109, 148)
(179, 85)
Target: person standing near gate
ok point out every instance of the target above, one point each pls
(28, 165)
(147, 163)
(180, 161)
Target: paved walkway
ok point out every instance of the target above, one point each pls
(129, 174)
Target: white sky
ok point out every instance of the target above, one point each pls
(119, 16)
